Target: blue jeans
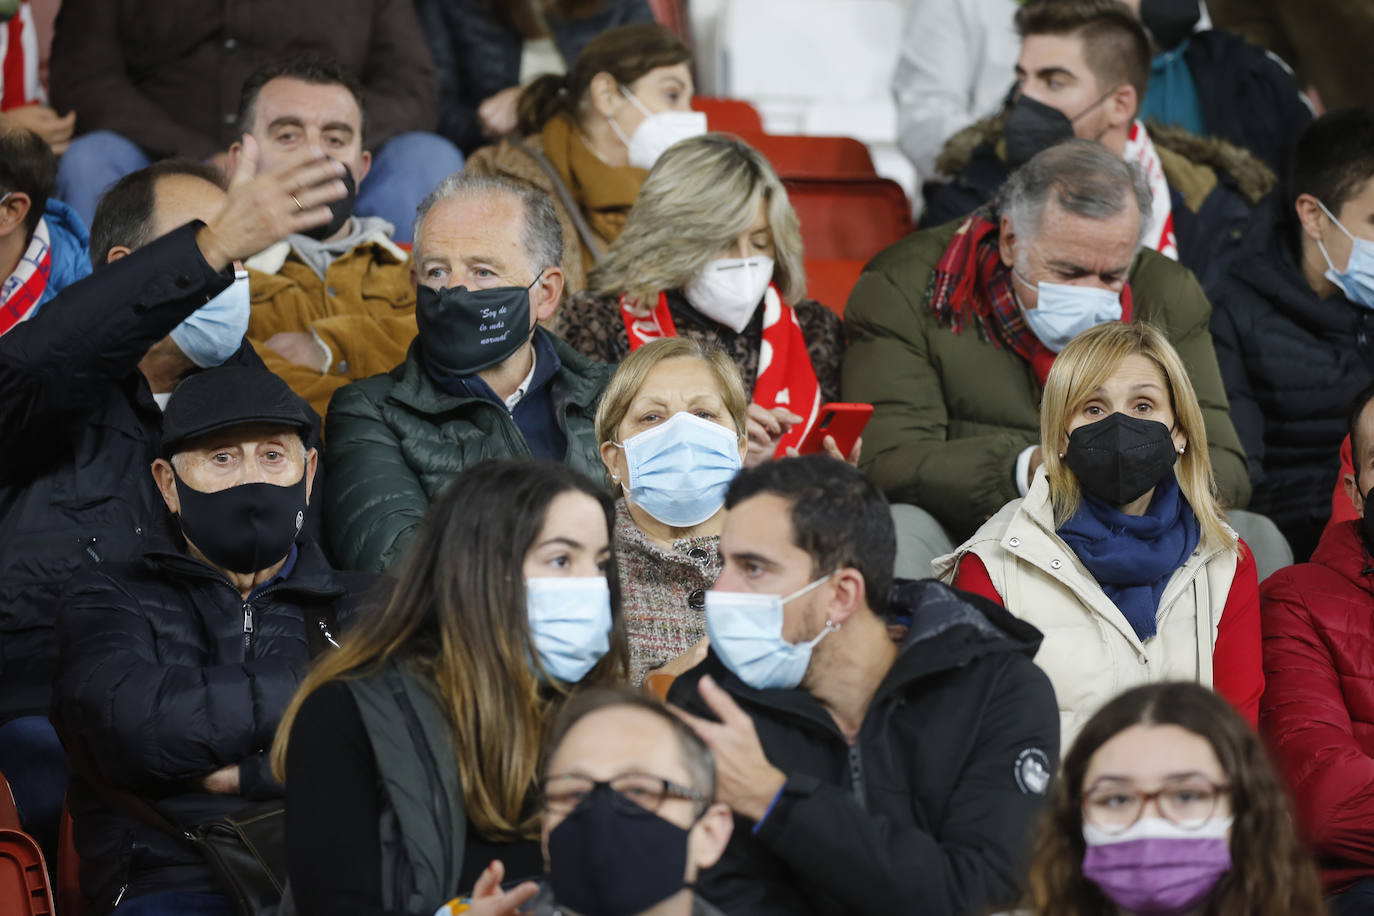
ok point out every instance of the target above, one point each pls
(1355, 900)
(175, 903)
(404, 170)
(35, 765)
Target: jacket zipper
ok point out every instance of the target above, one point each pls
(247, 630)
(328, 636)
(856, 776)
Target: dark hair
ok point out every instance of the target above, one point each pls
(458, 618)
(125, 213)
(1272, 875)
(696, 756)
(27, 164)
(1352, 424)
(316, 69)
(626, 53)
(1115, 43)
(1333, 158)
(839, 517)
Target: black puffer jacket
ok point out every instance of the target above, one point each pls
(78, 432)
(1292, 362)
(931, 811)
(166, 674)
(477, 55)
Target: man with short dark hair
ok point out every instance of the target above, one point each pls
(334, 304)
(1292, 322)
(80, 421)
(175, 667)
(1082, 72)
(869, 772)
(1318, 620)
(482, 380)
(42, 240)
(952, 332)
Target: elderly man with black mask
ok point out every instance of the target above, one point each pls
(82, 383)
(176, 667)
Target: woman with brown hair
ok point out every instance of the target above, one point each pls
(411, 754)
(588, 138)
(1167, 804)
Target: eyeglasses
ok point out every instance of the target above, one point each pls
(1188, 802)
(631, 793)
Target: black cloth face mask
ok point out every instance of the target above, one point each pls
(607, 859)
(1120, 458)
(1367, 523)
(341, 209)
(245, 528)
(1031, 127)
(1170, 21)
(463, 331)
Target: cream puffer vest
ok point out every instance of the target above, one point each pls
(1090, 652)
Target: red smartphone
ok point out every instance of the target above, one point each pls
(845, 422)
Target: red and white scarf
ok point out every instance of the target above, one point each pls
(21, 290)
(786, 377)
(1141, 151)
(19, 83)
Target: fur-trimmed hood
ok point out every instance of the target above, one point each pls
(1191, 163)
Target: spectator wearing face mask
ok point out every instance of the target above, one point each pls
(1317, 629)
(712, 251)
(588, 137)
(952, 333)
(1168, 804)
(482, 379)
(411, 755)
(1292, 321)
(176, 667)
(878, 744)
(1120, 553)
(86, 378)
(1082, 72)
(629, 816)
(486, 53)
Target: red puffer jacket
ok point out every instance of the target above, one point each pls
(1318, 706)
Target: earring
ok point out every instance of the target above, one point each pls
(1061, 454)
(615, 478)
(1181, 449)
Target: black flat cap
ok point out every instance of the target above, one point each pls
(226, 396)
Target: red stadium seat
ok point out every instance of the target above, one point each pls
(733, 116)
(795, 156)
(830, 281)
(9, 811)
(24, 889)
(70, 898)
(849, 219)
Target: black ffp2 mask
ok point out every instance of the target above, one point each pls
(463, 331)
(607, 859)
(1170, 21)
(246, 528)
(341, 209)
(1031, 127)
(1120, 458)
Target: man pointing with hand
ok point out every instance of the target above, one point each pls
(84, 382)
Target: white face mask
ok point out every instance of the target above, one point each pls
(658, 131)
(728, 290)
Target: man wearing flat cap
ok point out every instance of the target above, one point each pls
(174, 669)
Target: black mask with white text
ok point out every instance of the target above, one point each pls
(246, 528)
(1120, 458)
(463, 331)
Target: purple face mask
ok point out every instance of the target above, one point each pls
(1157, 868)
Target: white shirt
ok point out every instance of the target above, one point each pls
(524, 386)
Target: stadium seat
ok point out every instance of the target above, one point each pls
(730, 115)
(849, 219)
(24, 888)
(9, 811)
(795, 156)
(71, 900)
(829, 281)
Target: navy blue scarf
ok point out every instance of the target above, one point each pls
(1132, 557)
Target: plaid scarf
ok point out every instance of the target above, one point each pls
(971, 282)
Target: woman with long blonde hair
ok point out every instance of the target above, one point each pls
(1120, 553)
(712, 250)
(411, 754)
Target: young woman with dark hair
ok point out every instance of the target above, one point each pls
(417, 743)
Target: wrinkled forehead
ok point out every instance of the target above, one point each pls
(289, 99)
(620, 739)
(473, 223)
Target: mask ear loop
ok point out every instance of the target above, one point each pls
(1321, 246)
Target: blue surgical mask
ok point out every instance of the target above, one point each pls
(1357, 280)
(1063, 311)
(570, 623)
(680, 469)
(746, 632)
(214, 332)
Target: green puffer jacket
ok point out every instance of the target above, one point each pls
(953, 412)
(394, 441)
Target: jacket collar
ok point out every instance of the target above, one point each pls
(1342, 550)
(1270, 268)
(312, 576)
